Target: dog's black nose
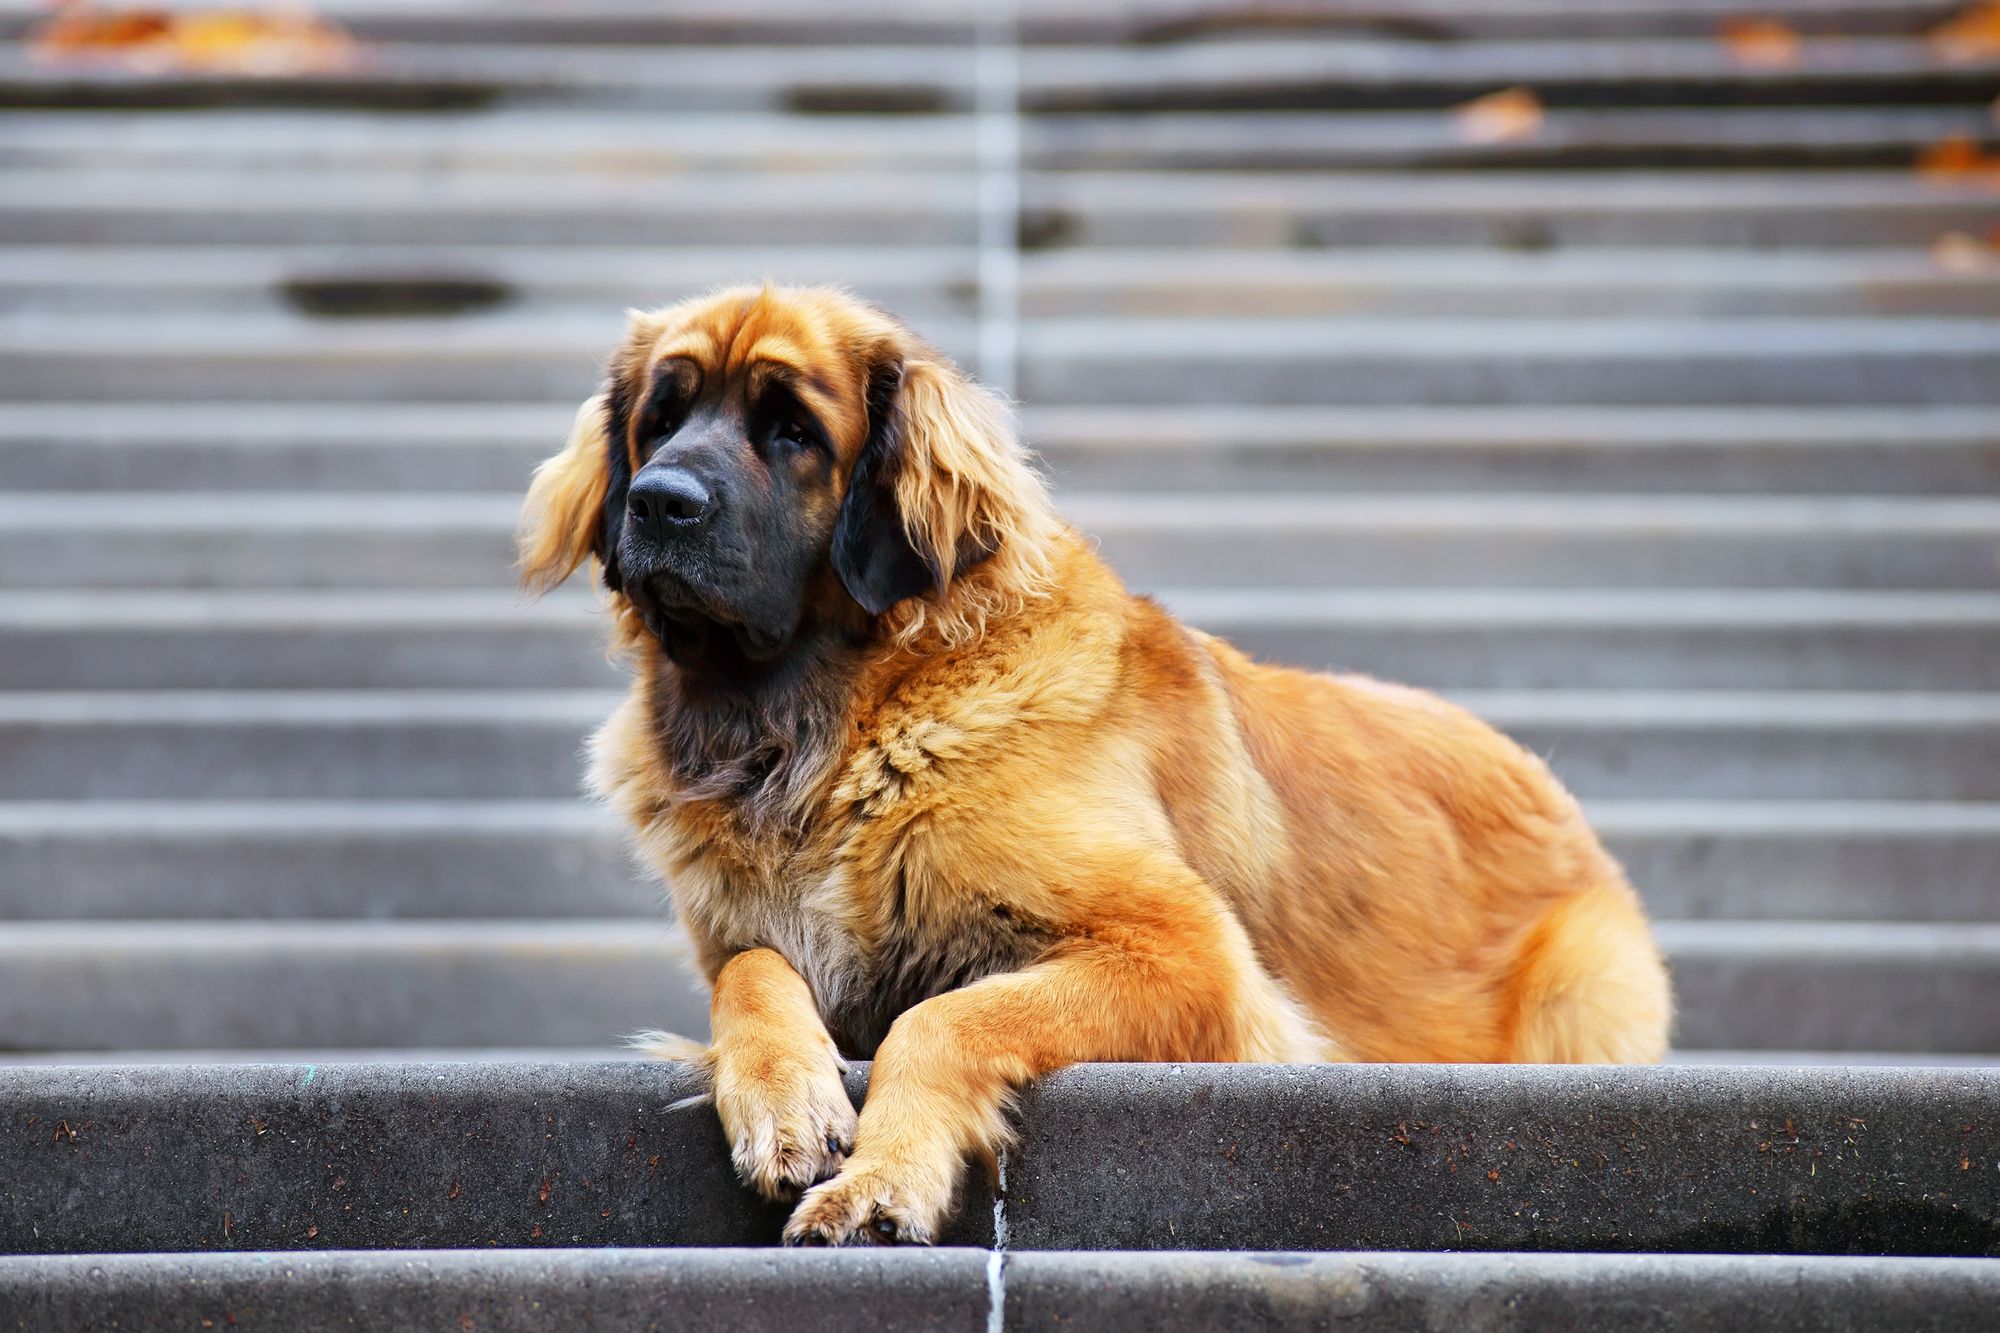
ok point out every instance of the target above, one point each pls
(664, 500)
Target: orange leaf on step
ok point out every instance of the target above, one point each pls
(1762, 42)
(1972, 35)
(226, 41)
(1502, 117)
(1956, 158)
(76, 31)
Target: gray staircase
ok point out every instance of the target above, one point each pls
(1660, 436)
(521, 1196)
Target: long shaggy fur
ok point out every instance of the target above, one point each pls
(1026, 819)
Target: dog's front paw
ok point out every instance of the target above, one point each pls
(789, 1125)
(866, 1207)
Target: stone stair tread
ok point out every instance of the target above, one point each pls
(511, 744)
(1747, 985)
(498, 511)
(1772, 708)
(1050, 20)
(587, 1054)
(1679, 1159)
(973, 1291)
(197, 608)
(418, 424)
(169, 817)
(1301, 69)
(389, 859)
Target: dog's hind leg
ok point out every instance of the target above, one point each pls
(1590, 987)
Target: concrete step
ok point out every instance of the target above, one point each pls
(1845, 985)
(1496, 541)
(449, 203)
(1042, 21)
(334, 280)
(976, 1291)
(344, 281)
(1433, 362)
(1456, 362)
(1498, 1158)
(430, 77)
(1302, 71)
(347, 540)
(457, 745)
(379, 860)
(1478, 1158)
(357, 860)
(1184, 282)
(454, 202)
(539, 139)
(493, 446)
(301, 984)
(580, 1055)
(1826, 860)
(292, 745)
(279, 358)
(1792, 449)
(89, 639)
(434, 860)
(563, 136)
(1568, 139)
(1527, 211)
(616, 21)
(1468, 20)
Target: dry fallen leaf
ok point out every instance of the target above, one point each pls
(208, 41)
(1502, 117)
(1973, 35)
(1959, 252)
(1766, 43)
(1959, 157)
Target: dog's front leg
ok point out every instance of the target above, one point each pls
(776, 1076)
(1181, 984)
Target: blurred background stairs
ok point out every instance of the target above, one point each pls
(1655, 413)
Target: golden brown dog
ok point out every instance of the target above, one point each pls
(929, 785)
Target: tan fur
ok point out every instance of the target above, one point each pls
(1191, 856)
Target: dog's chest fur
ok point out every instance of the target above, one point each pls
(825, 881)
(868, 952)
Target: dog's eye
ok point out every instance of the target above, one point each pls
(792, 434)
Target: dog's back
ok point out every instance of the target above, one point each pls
(1439, 895)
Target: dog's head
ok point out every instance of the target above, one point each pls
(765, 461)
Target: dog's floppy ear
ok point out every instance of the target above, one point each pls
(940, 486)
(873, 550)
(577, 498)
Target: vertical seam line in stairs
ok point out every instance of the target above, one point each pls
(996, 1258)
(997, 143)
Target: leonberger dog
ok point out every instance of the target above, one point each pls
(927, 784)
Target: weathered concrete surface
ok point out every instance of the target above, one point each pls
(688, 1291)
(277, 1157)
(1139, 1157)
(1407, 1293)
(798, 1291)
(1832, 1161)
